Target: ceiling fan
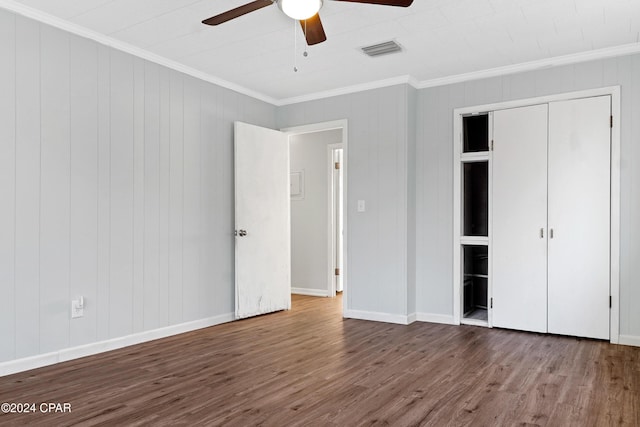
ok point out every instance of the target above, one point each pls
(305, 11)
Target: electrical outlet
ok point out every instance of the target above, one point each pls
(77, 308)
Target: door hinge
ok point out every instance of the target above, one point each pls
(337, 165)
(610, 301)
(337, 271)
(611, 122)
(491, 148)
(491, 305)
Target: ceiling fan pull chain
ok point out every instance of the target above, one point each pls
(305, 40)
(295, 47)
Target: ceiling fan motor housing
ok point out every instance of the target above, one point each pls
(300, 9)
(304, 11)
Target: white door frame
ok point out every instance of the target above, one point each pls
(331, 214)
(319, 127)
(614, 277)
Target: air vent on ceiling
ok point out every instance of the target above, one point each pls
(382, 48)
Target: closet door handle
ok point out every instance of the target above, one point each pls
(542, 233)
(551, 233)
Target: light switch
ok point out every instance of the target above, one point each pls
(361, 206)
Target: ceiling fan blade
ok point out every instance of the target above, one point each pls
(399, 3)
(313, 30)
(238, 11)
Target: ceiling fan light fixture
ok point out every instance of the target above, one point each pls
(300, 9)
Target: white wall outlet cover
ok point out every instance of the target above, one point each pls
(77, 308)
(361, 206)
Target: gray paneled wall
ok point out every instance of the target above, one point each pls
(377, 173)
(412, 117)
(27, 182)
(379, 138)
(435, 169)
(7, 186)
(116, 184)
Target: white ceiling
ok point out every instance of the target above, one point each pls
(441, 38)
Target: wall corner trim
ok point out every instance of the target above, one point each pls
(377, 316)
(41, 360)
(446, 319)
(632, 340)
(310, 292)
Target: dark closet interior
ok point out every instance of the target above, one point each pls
(475, 262)
(475, 216)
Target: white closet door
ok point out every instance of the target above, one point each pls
(519, 219)
(579, 217)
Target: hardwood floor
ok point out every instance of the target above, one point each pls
(308, 367)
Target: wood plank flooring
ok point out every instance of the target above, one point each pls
(309, 367)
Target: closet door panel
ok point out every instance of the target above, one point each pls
(519, 219)
(579, 217)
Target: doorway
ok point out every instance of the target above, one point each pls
(318, 167)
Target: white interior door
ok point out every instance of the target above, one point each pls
(579, 217)
(519, 219)
(262, 216)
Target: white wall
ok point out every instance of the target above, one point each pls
(377, 150)
(116, 184)
(434, 178)
(309, 216)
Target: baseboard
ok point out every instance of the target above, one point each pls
(310, 292)
(33, 362)
(435, 318)
(632, 340)
(377, 316)
(412, 317)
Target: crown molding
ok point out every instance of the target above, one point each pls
(610, 52)
(376, 84)
(105, 40)
(29, 12)
(592, 55)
